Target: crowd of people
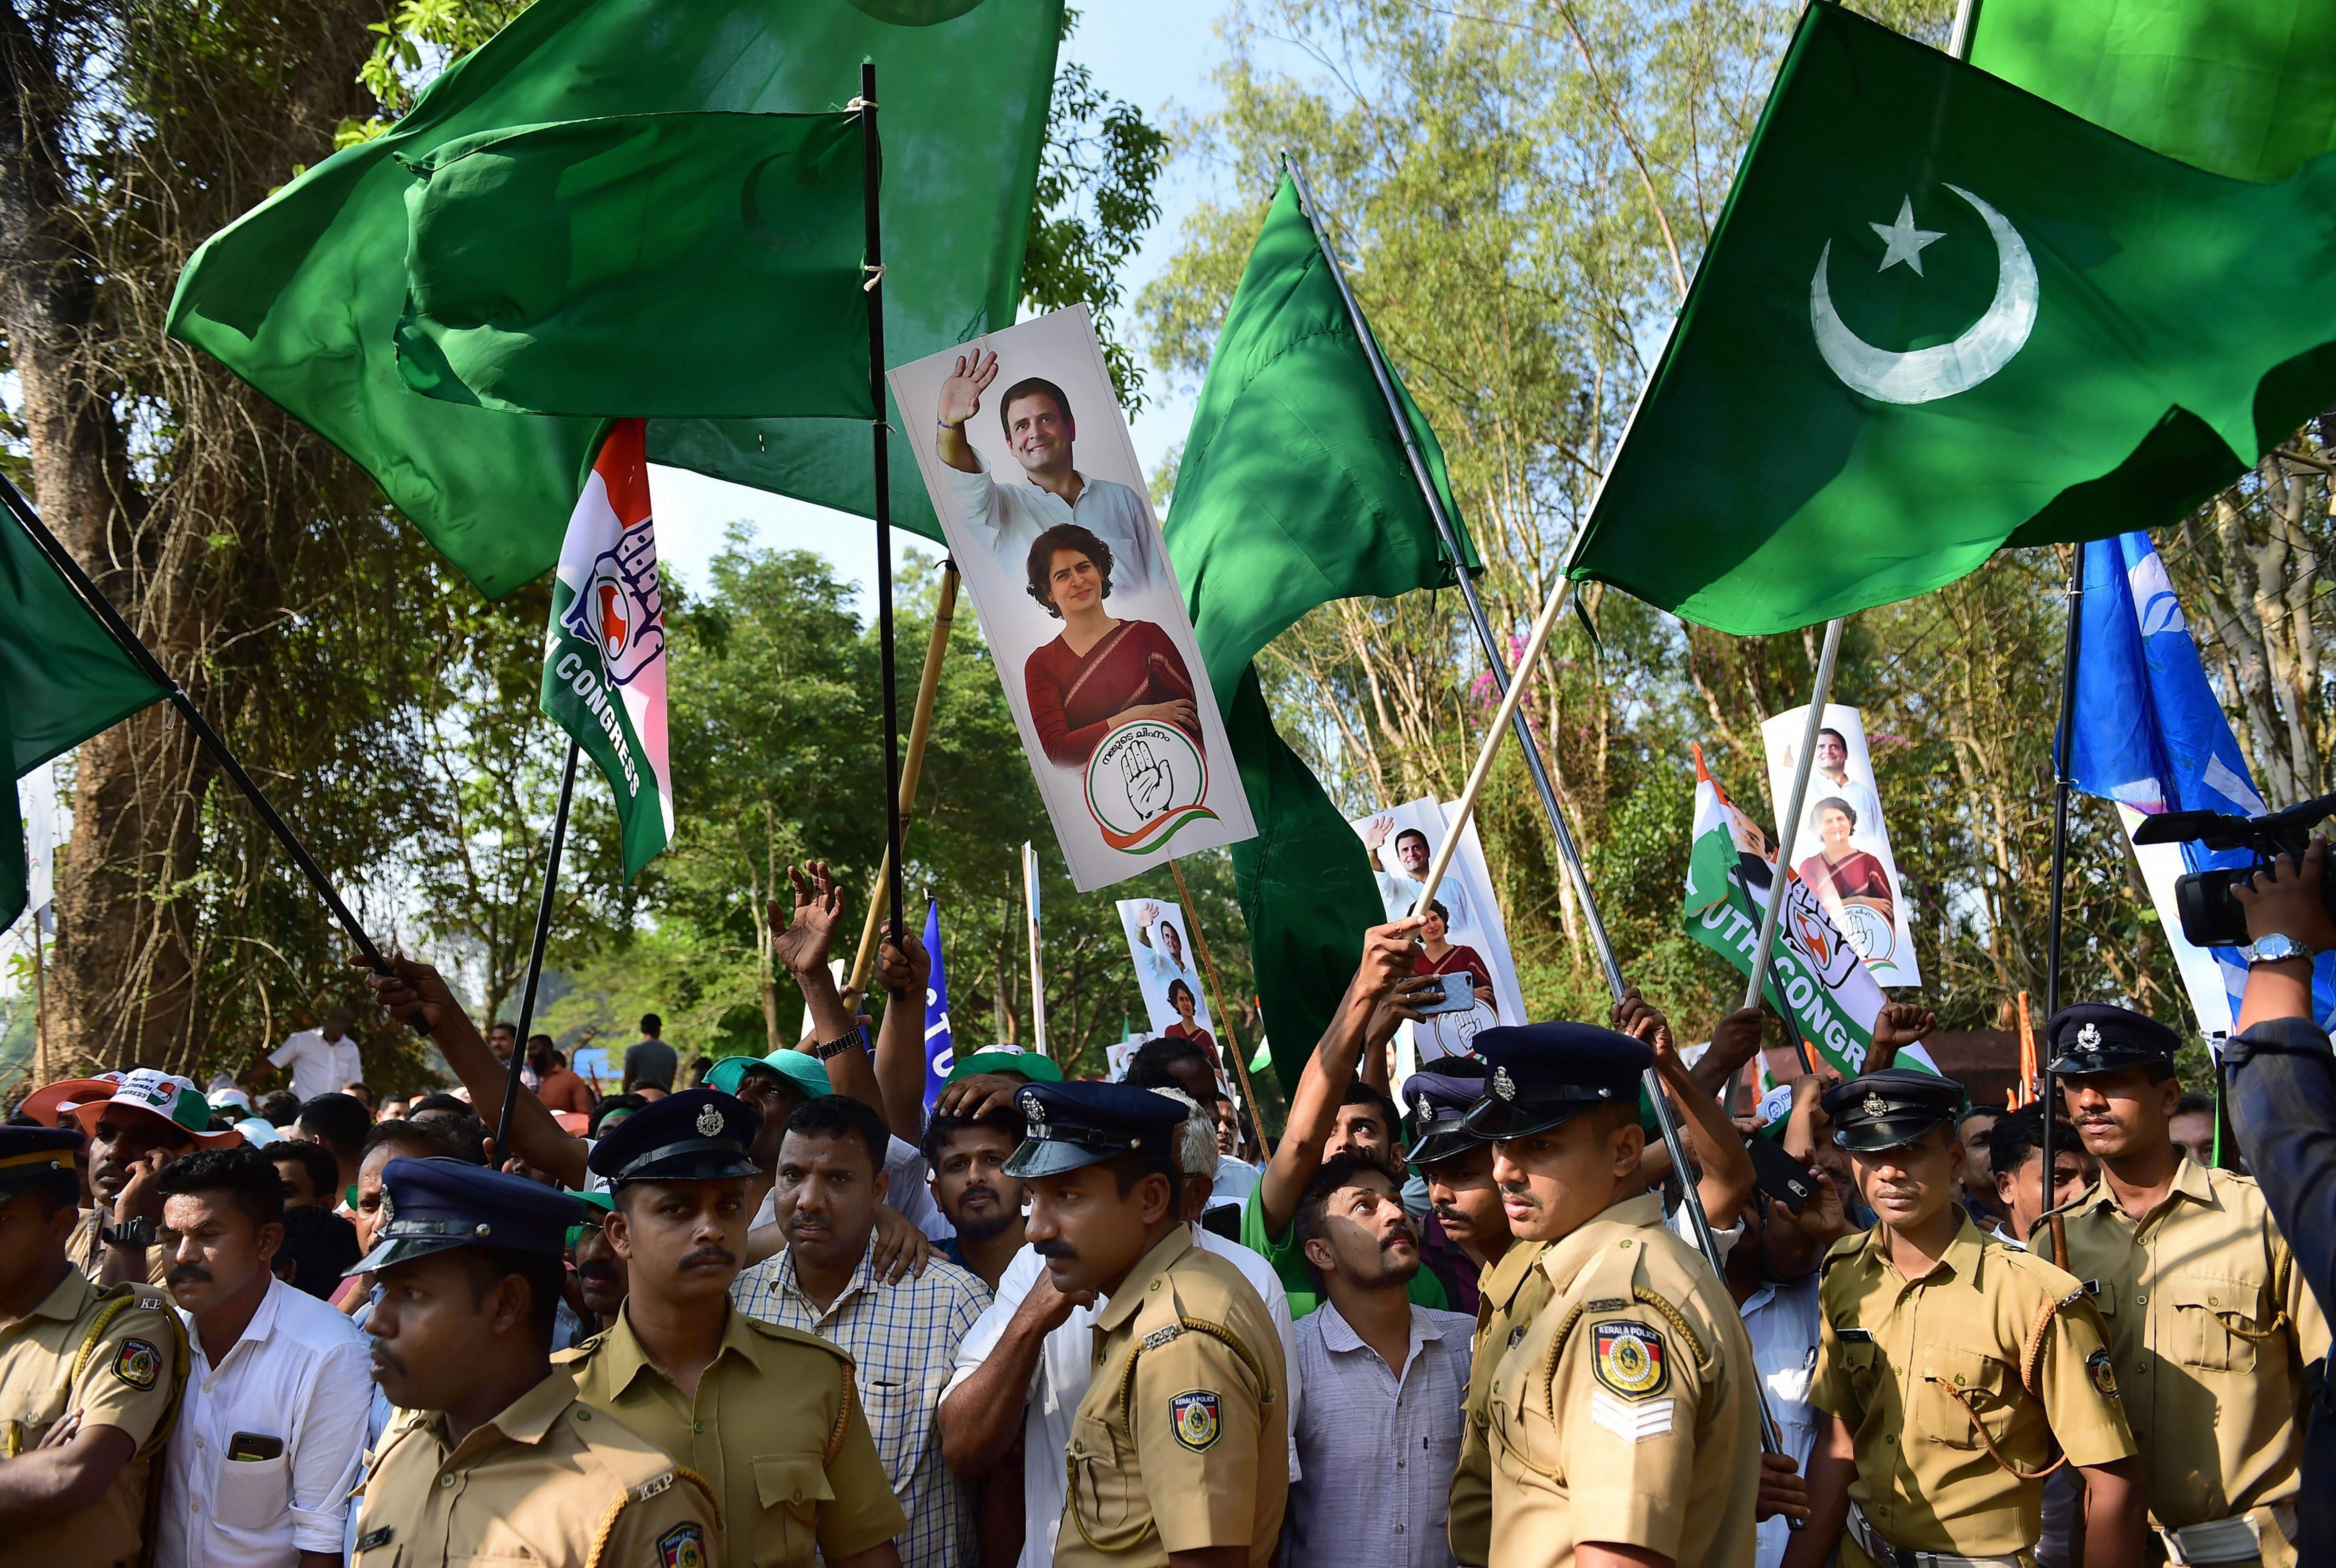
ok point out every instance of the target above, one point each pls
(791, 1312)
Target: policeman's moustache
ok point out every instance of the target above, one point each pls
(1062, 1250)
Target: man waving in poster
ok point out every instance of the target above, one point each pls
(1039, 429)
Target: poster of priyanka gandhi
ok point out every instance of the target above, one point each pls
(1036, 481)
(1840, 848)
(1464, 933)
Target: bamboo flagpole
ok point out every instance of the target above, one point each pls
(1217, 997)
(543, 909)
(920, 726)
(1788, 822)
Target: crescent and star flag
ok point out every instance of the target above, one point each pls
(604, 662)
(1829, 995)
(2150, 735)
(939, 1045)
(1940, 316)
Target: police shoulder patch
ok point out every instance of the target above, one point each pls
(137, 1364)
(1631, 1357)
(683, 1546)
(2104, 1376)
(1196, 1414)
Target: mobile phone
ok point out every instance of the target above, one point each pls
(1459, 995)
(1778, 1175)
(252, 1447)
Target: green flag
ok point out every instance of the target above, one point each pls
(62, 678)
(2246, 90)
(695, 265)
(301, 297)
(1940, 316)
(1294, 490)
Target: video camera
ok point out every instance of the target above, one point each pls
(2211, 917)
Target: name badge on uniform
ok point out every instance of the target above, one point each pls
(1854, 1335)
(373, 1538)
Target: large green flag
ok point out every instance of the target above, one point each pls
(301, 297)
(1294, 490)
(1940, 316)
(694, 265)
(2246, 90)
(62, 678)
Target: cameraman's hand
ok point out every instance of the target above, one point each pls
(2285, 899)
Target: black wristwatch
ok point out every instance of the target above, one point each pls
(134, 1232)
(827, 1050)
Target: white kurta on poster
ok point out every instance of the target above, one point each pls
(1035, 478)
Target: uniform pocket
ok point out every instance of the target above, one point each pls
(790, 1489)
(1861, 1363)
(253, 1493)
(2217, 1320)
(1103, 1488)
(1957, 1386)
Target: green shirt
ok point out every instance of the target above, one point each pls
(1290, 1263)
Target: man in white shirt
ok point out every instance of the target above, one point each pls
(273, 1429)
(1010, 518)
(1830, 780)
(1025, 1365)
(1400, 890)
(323, 1059)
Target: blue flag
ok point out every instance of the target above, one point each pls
(939, 1053)
(2150, 735)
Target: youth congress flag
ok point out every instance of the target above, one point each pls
(1940, 316)
(1826, 991)
(604, 652)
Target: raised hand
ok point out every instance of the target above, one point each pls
(1644, 1021)
(1375, 836)
(1897, 1024)
(1148, 916)
(961, 392)
(1150, 782)
(898, 969)
(803, 943)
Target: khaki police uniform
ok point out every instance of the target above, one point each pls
(775, 1429)
(1627, 1413)
(1960, 1388)
(1509, 1295)
(1183, 1439)
(119, 1357)
(2210, 1327)
(548, 1480)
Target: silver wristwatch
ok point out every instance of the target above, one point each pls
(827, 1050)
(2275, 947)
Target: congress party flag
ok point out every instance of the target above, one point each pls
(1940, 316)
(1830, 997)
(940, 1048)
(604, 662)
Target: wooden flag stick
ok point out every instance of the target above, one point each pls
(920, 727)
(1217, 997)
(1526, 662)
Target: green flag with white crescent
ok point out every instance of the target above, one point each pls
(1940, 316)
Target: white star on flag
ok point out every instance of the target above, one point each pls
(1904, 240)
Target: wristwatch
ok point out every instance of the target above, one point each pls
(829, 1049)
(139, 1231)
(2274, 948)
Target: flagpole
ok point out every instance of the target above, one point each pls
(1217, 995)
(535, 953)
(1037, 974)
(98, 605)
(1788, 826)
(920, 727)
(2070, 648)
(872, 179)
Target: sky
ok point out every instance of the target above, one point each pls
(1165, 71)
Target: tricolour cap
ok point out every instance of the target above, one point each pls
(2096, 1038)
(1068, 1126)
(1438, 1098)
(149, 1091)
(431, 1205)
(1542, 1076)
(1891, 1108)
(697, 1135)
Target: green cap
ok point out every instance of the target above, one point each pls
(1034, 1066)
(805, 1073)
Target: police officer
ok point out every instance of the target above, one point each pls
(1181, 1443)
(493, 1457)
(768, 1416)
(1458, 1167)
(1950, 1367)
(1626, 1415)
(2210, 1324)
(89, 1377)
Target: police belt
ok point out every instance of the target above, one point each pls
(1888, 1556)
(2234, 1540)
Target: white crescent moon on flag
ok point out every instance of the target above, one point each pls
(1927, 374)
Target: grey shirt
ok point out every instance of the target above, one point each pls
(651, 1062)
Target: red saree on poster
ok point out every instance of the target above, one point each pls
(1073, 699)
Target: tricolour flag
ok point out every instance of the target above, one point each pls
(1829, 996)
(604, 652)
